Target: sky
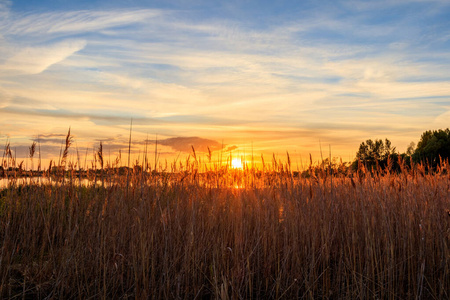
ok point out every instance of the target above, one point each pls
(242, 76)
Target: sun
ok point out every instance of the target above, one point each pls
(236, 163)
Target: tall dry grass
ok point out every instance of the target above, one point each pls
(227, 234)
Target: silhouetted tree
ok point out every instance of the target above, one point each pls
(372, 152)
(410, 150)
(433, 146)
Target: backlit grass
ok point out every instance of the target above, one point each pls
(227, 234)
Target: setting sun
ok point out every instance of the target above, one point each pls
(236, 163)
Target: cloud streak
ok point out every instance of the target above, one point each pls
(74, 21)
(35, 60)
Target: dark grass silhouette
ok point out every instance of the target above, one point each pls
(226, 233)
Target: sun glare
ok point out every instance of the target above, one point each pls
(236, 163)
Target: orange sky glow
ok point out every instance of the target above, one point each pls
(242, 79)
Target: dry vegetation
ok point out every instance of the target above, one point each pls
(227, 234)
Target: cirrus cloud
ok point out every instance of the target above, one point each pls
(35, 60)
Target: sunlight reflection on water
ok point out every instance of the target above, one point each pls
(5, 182)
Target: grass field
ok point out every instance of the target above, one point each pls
(227, 234)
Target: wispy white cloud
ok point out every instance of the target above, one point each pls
(34, 60)
(74, 21)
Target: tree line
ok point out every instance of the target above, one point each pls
(432, 149)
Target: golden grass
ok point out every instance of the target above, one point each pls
(227, 234)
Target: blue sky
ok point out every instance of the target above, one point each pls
(281, 75)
